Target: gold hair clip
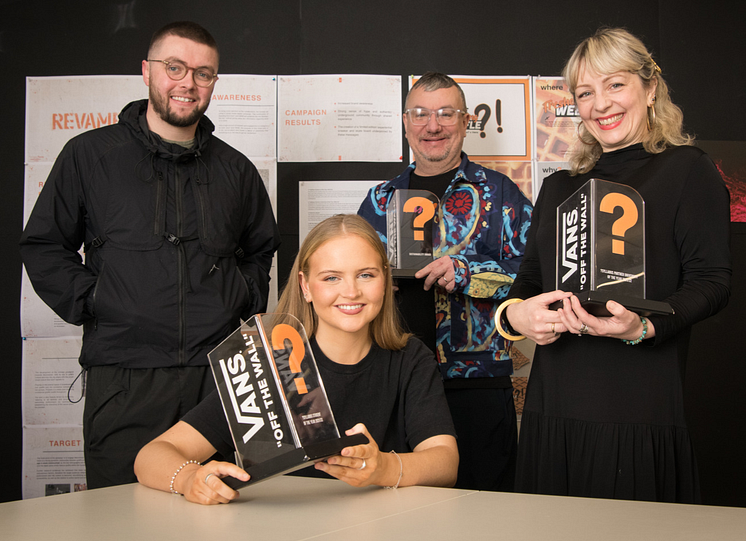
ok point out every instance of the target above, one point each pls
(657, 68)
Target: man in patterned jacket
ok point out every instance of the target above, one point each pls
(479, 235)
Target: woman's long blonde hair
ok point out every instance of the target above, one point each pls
(608, 51)
(385, 329)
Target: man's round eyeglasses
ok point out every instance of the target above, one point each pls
(446, 116)
(176, 71)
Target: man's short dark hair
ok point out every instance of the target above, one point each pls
(184, 29)
(433, 80)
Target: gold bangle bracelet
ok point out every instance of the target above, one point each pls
(498, 321)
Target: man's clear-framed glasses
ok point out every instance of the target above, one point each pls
(176, 71)
(446, 116)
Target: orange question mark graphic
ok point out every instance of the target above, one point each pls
(627, 220)
(283, 332)
(428, 211)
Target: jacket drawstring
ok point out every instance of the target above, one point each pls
(138, 167)
(82, 373)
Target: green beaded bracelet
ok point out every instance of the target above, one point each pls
(642, 336)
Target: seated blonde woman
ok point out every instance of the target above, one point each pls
(380, 381)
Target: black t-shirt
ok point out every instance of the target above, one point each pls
(398, 395)
(436, 184)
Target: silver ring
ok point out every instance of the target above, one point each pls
(584, 329)
(445, 279)
(208, 476)
(363, 466)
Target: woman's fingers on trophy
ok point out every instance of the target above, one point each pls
(569, 318)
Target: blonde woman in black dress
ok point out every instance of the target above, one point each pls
(604, 412)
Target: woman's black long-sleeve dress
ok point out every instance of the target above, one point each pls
(602, 418)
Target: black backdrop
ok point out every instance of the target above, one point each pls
(699, 45)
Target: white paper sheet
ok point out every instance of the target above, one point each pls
(267, 168)
(53, 461)
(320, 199)
(339, 118)
(556, 118)
(59, 108)
(52, 390)
(542, 170)
(244, 111)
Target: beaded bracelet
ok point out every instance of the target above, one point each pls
(401, 471)
(642, 336)
(173, 491)
(499, 321)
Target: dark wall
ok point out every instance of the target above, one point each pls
(699, 48)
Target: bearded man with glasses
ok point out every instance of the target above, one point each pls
(179, 236)
(479, 235)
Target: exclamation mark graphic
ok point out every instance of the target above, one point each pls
(498, 116)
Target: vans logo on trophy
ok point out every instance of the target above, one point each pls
(268, 380)
(601, 248)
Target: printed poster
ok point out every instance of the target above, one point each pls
(556, 118)
(542, 170)
(52, 383)
(320, 199)
(59, 108)
(499, 117)
(339, 118)
(52, 461)
(556, 121)
(244, 111)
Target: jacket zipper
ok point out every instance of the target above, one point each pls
(181, 264)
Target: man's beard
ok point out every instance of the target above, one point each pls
(431, 157)
(162, 107)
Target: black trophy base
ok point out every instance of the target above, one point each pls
(295, 460)
(404, 273)
(594, 303)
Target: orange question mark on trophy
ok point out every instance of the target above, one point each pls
(628, 218)
(428, 211)
(282, 332)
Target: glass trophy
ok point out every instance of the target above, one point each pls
(274, 399)
(409, 230)
(601, 248)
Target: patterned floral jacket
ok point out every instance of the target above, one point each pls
(481, 224)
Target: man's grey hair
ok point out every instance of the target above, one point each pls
(433, 80)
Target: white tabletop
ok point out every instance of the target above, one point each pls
(293, 508)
